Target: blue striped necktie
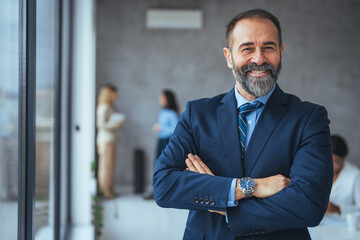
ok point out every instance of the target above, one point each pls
(244, 110)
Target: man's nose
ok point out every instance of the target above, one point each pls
(258, 57)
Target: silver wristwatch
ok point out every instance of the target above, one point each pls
(247, 186)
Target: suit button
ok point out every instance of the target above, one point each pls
(207, 201)
(201, 201)
(196, 200)
(212, 202)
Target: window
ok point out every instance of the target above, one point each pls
(9, 115)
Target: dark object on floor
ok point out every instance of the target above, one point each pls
(139, 170)
(149, 196)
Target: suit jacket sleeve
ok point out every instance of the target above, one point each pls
(303, 203)
(176, 187)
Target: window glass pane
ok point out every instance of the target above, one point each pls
(9, 105)
(45, 74)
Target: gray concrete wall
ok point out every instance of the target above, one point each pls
(320, 64)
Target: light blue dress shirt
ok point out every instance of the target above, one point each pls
(167, 121)
(252, 119)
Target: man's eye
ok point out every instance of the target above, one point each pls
(268, 48)
(246, 50)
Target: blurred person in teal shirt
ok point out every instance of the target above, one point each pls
(167, 120)
(166, 123)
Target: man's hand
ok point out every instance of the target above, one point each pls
(194, 164)
(266, 187)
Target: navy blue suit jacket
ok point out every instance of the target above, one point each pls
(291, 138)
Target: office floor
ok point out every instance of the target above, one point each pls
(130, 217)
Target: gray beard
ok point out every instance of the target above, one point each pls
(256, 86)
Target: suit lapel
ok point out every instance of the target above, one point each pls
(227, 120)
(269, 119)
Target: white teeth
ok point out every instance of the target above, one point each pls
(258, 71)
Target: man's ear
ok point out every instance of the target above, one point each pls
(282, 50)
(227, 54)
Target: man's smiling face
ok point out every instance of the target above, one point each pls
(255, 55)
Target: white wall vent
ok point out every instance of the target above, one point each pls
(174, 19)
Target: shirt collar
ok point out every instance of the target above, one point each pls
(240, 100)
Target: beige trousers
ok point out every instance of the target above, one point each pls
(106, 170)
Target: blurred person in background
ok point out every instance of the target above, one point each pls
(166, 123)
(108, 122)
(345, 190)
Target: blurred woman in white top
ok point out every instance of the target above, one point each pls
(106, 139)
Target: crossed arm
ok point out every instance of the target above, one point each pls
(265, 187)
(280, 204)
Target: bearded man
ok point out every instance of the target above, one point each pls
(253, 163)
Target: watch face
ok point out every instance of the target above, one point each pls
(247, 184)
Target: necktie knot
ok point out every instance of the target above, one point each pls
(247, 108)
